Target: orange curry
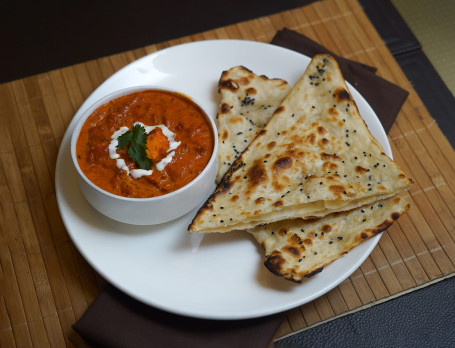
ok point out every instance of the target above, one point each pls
(152, 107)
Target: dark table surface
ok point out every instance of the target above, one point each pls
(41, 36)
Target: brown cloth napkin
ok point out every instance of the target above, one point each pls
(384, 97)
(116, 320)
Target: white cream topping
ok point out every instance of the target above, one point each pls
(165, 161)
(138, 173)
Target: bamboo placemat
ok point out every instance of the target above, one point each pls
(46, 285)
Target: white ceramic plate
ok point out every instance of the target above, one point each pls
(222, 276)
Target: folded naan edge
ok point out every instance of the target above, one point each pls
(296, 249)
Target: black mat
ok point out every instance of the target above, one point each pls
(423, 318)
(38, 36)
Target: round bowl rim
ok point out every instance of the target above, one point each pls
(125, 91)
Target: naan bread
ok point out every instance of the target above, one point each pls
(297, 248)
(247, 103)
(315, 156)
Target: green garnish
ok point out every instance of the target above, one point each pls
(137, 139)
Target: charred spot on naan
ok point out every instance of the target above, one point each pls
(225, 108)
(316, 271)
(275, 263)
(342, 95)
(279, 110)
(328, 157)
(282, 163)
(228, 84)
(333, 111)
(257, 174)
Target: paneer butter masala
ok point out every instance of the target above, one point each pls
(171, 130)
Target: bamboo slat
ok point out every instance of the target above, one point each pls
(46, 285)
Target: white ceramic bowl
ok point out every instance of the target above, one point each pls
(146, 211)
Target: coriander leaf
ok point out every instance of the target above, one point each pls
(139, 134)
(124, 139)
(139, 155)
(137, 140)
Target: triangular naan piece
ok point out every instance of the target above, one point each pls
(297, 248)
(247, 103)
(315, 156)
